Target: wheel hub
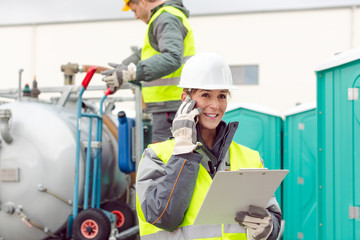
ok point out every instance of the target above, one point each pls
(89, 228)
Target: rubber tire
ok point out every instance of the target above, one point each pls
(98, 217)
(121, 206)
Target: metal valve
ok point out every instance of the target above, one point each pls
(9, 208)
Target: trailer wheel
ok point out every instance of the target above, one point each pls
(125, 216)
(92, 224)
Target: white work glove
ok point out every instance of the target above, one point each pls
(121, 74)
(257, 221)
(184, 127)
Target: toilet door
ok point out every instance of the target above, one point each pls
(356, 147)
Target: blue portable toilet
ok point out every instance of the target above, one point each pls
(338, 113)
(299, 186)
(260, 129)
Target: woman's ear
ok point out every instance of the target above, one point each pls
(183, 96)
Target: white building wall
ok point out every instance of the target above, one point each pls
(286, 45)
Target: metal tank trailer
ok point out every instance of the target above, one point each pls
(37, 163)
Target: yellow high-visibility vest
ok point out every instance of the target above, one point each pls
(165, 89)
(240, 157)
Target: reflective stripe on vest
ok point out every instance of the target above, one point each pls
(200, 232)
(165, 89)
(240, 157)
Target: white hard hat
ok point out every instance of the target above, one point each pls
(206, 71)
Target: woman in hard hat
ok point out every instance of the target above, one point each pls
(173, 176)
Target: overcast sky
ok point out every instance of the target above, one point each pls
(15, 12)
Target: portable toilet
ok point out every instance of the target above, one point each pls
(259, 129)
(299, 186)
(338, 111)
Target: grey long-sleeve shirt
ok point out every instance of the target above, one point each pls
(166, 35)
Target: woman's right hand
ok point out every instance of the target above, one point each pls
(184, 127)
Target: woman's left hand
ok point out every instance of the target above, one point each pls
(257, 221)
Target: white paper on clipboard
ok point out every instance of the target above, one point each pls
(233, 191)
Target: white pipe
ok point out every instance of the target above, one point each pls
(19, 85)
(139, 133)
(5, 116)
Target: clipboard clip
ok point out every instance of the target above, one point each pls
(242, 170)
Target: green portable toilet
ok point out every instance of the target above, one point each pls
(259, 129)
(299, 186)
(338, 111)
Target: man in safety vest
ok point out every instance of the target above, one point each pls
(168, 43)
(174, 176)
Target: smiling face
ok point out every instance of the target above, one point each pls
(213, 104)
(142, 10)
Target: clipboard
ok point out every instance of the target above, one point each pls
(234, 191)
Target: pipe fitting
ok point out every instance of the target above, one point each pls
(9, 208)
(5, 116)
(41, 188)
(19, 209)
(69, 70)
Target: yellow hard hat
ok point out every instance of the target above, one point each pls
(126, 6)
